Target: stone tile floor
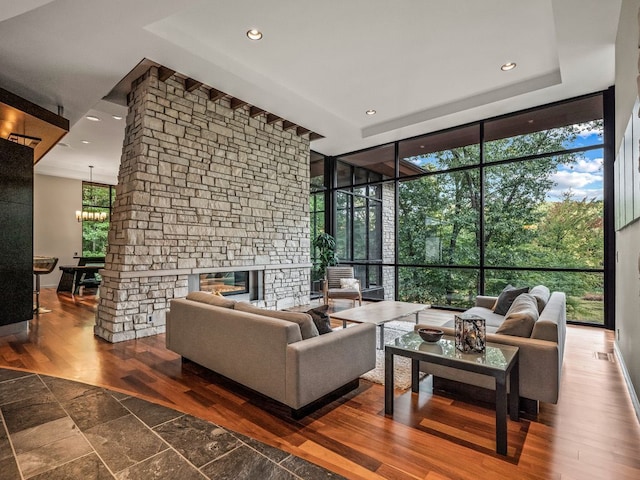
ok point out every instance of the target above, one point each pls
(52, 428)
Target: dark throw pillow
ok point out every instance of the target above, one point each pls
(506, 298)
(321, 319)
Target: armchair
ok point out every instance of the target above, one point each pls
(333, 288)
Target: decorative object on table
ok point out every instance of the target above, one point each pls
(470, 333)
(431, 335)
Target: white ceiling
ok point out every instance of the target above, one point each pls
(423, 65)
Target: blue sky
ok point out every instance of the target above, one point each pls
(583, 177)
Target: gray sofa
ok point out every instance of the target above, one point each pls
(540, 354)
(282, 358)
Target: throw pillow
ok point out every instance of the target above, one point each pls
(506, 298)
(321, 319)
(206, 297)
(351, 283)
(521, 317)
(541, 294)
(307, 327)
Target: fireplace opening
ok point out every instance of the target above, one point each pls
(225, 283)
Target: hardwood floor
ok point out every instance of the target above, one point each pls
(592, 433)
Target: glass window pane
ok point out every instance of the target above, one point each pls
(316, 171)
(440, 151)
(343, 174)
(560, 127)
(95, 195)
(94, 236)
(546, 212)
(440, 287)
(585, 291)
(343, 222)
(375, 230)
(439, 219)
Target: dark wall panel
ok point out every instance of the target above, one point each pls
(16, 232)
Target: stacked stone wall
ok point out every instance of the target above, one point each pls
(388, 240)
(201, 186)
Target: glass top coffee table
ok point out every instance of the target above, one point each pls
(498, 361)
(379, 313)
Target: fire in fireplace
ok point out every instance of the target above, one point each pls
(225, 283)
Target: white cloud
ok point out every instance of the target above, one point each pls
(566, 179)
(587, 165)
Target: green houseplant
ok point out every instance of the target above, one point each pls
(326, 245)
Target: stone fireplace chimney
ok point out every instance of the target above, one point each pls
(201, 187)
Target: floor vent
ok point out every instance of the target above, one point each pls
(605, 356)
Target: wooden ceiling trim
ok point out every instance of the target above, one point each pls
(255, 111)
(236, 103)
(190, 84)
(164, 73)
(216, 94)
(272, 118)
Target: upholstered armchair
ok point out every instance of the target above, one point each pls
(333, 285)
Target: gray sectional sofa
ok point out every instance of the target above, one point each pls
(277, 354)
(540, 353)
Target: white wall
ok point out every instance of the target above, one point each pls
(628, 239)
(56, 232)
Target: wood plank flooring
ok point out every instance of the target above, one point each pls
(592, 433)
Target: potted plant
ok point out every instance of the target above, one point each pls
(326, 245)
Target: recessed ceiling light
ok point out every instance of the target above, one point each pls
(370, 112)
(93, 118)
(508, 66)
(86, 142)
(62, 144)
(116, 117)
(254, 34)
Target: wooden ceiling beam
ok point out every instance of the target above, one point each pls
(216, 94)
(302, 131)
(315, 136)
(286, 125)
(271, 118)
(255, 111)
(164, 73)
(236, 103)
(190, 84)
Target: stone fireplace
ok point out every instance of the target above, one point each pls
(246, 284)
(203, 188)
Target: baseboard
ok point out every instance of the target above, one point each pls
(627, 380)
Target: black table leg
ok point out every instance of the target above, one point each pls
(388, 382)
(501, 416)
(514, 393)
(415, 376)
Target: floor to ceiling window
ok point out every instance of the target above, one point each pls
(316, 215)
(517, 199)
(97, 198)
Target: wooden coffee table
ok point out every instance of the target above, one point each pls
(379, 313)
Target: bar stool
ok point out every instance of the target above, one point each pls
(42, 266)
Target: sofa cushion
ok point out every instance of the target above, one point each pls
(307, 327)
(492, 320)
(521, 317)
(506, 298)
(541, 294)
(321, 319)
(206, 297)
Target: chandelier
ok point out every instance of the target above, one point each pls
(87, 215)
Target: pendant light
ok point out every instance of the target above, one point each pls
(86, 215)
